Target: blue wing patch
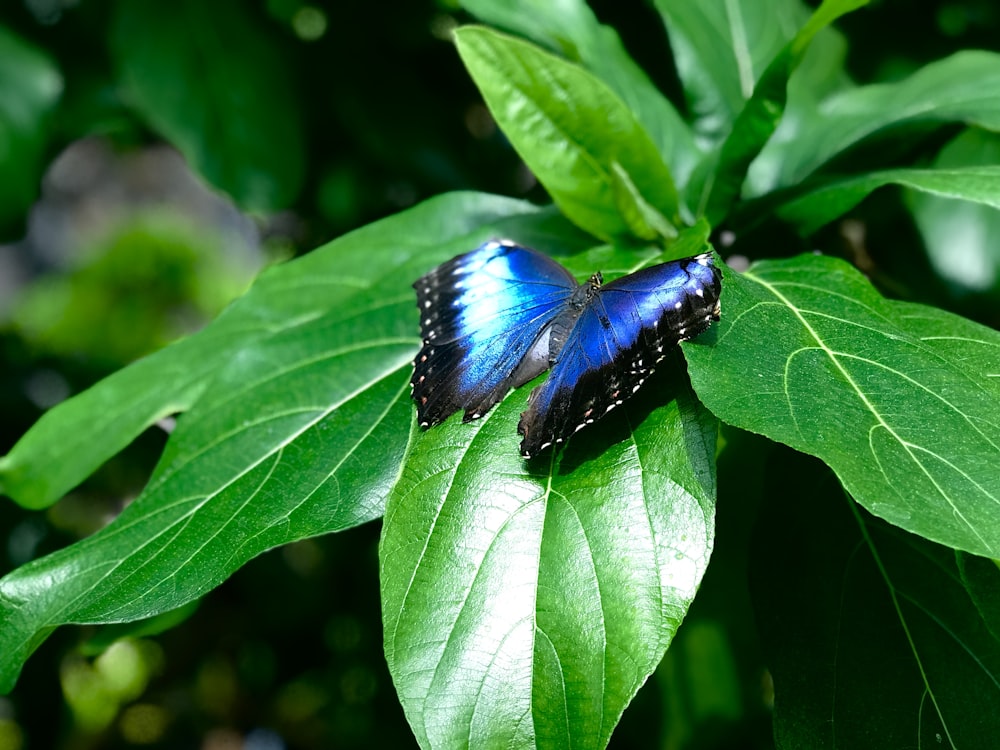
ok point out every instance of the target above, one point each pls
(627, 327)
(485, 318)
(496, 317)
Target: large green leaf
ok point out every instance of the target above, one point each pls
(69, 442)
(875, 637)
(901, 400)
(298, 416)
(217, 87)
(574, 133)
(571, 28)
(525, 604)
(977, 184)
(30, 86)
(757, 120)
(962, 88)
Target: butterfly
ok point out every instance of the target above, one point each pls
(496, 317)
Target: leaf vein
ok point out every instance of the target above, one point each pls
(835, 358)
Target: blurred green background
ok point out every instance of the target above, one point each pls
(313, 118)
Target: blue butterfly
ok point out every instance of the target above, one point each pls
(499, 316)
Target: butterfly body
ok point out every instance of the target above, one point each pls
(498, 316)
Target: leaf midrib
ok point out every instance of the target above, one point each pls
(902, 619)
(833, 357)
(275, 452)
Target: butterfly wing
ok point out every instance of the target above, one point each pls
(626, 328)
(485, 319)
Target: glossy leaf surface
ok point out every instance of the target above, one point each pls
(571, 130)
(571, 28)
(901, 400)
(298, 415)
(524, 604)
(721, 49)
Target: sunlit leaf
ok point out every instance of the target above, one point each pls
(547, 589)
(298, 416)
(524, 604)
(571, 28)
(721, 49)
(570, 129)
(901, 400)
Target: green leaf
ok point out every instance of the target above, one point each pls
(644, 221)
(69, 442)
(721, 48)
(214, 84)
(571, 28)
(873, 636)
(823, 204)
(901, 400)
(960, 235)
(962, 88)
(524, 604)
(298, 414)
(570, 129)
(759, 117)
(30, 87)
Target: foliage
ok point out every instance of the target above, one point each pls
(132, 293)
(525, 604)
